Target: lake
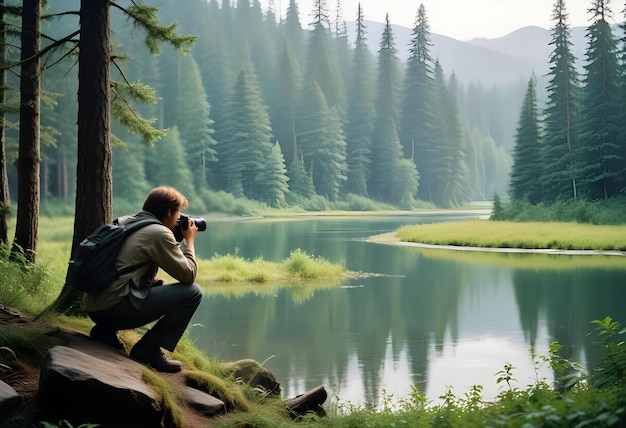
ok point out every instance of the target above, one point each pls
(433, 319)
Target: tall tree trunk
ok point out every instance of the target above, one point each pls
(62, 184)
(26, 227)
(94, 165)
(5, 202)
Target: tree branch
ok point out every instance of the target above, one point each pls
(42, 52)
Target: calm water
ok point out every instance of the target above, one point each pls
(429, 318)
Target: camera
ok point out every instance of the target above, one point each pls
(183, 223)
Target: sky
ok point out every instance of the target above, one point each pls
(460, 19)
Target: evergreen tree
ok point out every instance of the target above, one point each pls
(194, 123)
(95, 108)
(28, 161)
(322, 62)
(561, 114)
(527, 163)
(622, 86)
(248, 154)
(213, 56)
(454, 171)
(361, 113)
(407, 179)
(262, 44)
(293, 33)
(300, 182)
(272, 180)
(129, 178)
(601, 150)
(343, 49)
(386, 148)
(322, 143)
(171, 168)
(417, 133)
(284, 100)
(5, 199)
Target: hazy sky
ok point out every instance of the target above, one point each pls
(461, 19)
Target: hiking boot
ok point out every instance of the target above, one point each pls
(153, 356)
(106, 336)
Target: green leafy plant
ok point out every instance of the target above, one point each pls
(506, 375)
(612, 371)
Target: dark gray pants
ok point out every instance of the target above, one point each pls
(171, 305)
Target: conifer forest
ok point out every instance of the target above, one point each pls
(295, 110)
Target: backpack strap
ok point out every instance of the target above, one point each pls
(130, 227)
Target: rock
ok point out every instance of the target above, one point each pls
(9, 398)
(82, 381)
(107, 389)
(310, 401)
(254, 374)
(204, 403)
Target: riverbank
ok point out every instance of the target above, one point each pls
(512, 237)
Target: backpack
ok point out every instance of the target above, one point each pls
(93, 266)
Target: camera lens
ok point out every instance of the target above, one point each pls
(200, 223)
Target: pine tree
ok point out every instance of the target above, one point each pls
(454, 172)
(361, 114)
(386, 148)
(248, 156)
(293, 33)
(417, 133)
(300, 182)
(129, 178)
(284, 100)
(213, 55)
(622, 85)
(601, 151)
(272, 180)
(194, 123)
(170, 168)
(321, 140)
(527, 163)
(322, 62)
(561, 114)
(28, 161)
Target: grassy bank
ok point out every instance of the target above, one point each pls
(527, 235)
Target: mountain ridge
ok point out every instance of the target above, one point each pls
(505, 60)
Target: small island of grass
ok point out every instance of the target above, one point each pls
(520, 235)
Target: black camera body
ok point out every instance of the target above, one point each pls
(183, 224)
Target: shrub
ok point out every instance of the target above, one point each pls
(610, 211)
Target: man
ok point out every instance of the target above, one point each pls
(136, 298)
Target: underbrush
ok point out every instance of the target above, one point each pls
(576, 399)
(611, 211)
(24, 285)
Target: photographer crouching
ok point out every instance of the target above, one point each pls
(136, 298)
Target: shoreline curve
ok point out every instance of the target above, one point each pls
(391, 239)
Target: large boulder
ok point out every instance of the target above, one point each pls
(82, 388)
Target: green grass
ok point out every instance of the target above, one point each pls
(526, 235)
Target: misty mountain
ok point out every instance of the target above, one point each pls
(500, 61)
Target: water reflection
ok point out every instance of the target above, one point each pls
(434, 319)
